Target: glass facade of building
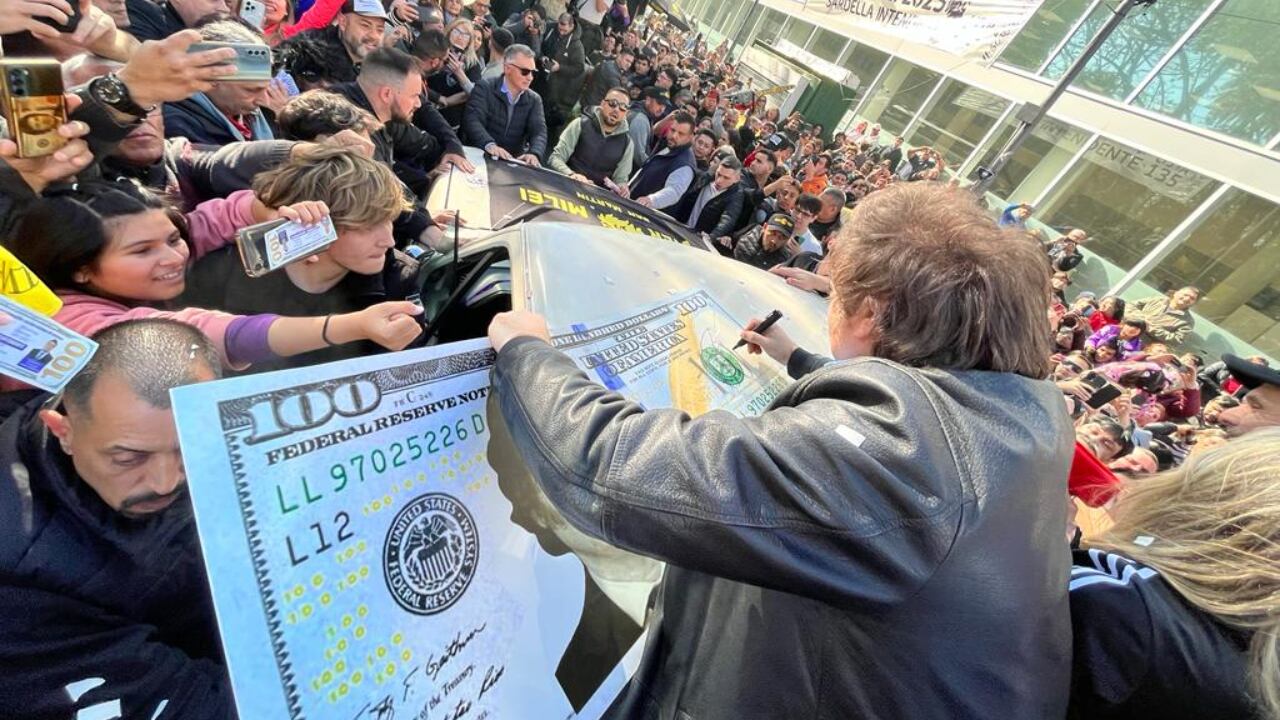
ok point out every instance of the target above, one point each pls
(1131, 52)
(1206, 67)
(957, 119)
(894, 100)
(1227, 77)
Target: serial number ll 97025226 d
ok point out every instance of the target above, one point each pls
(369, 465)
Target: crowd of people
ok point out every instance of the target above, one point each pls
(973, 431)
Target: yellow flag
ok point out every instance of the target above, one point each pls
(22, 286)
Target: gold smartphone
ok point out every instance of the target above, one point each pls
(31, 93)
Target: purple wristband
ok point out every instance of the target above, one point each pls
(247, 339)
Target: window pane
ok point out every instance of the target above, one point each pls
(1043, 32)
(1227, 78)
(770, 27)
(865, 62)
(797, 32)
(900, 93)
(1232, 257)
(1042, 156)
(960, 117)
(1128, 200)
(1133, 49)
(827, 45)
(721, 16)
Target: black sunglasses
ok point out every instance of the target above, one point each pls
(615, 104)
(523, 71)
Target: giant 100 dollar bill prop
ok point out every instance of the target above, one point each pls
(363, 557)
(678, 353)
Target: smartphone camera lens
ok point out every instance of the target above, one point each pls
(18, 81)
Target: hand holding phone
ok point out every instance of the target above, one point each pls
(34, 107)
(51, 13)
(272, 245)
(252, 60)
(1103, 390)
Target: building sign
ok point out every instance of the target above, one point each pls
(1161, 176)
(976, 29)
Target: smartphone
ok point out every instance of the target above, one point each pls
(1103, 390)
(73, 20)
(252, 61)
(253, 12)
(31, 92)
(271, 245)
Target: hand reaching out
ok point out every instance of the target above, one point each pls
(163, 70)
(40, 172)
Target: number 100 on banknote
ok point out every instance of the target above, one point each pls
(360, 551)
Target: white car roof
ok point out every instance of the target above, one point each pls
(574, 273)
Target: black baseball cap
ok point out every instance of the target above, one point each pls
(656, 93)
(783, 223)
(778, 141)
(1250, 374)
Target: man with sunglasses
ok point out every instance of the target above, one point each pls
(504, 116)
(595, 147)
(103, 595)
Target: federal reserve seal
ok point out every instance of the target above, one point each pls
(723, 366)
(430, 554)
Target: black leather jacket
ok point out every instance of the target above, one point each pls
(884, 542)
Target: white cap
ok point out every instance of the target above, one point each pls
(369, 8)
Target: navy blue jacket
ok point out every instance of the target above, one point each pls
(95, 607)
(654, 173)
(149, 20)
(491, 119)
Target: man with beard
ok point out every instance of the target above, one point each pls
(390, 87)
(1261, 406)
(666, 175)
(103, 595)
(653, 107)
(595, 147)
(356, 34)
(766, 245)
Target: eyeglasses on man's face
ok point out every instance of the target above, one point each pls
(526, 72)
(615, 104)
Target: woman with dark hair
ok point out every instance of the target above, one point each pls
(279, 15)
(1104, 352)
(1110, 312)
(115, 252)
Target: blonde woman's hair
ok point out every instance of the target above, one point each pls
(1214, 529)
(469, 57)
(360, 192)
